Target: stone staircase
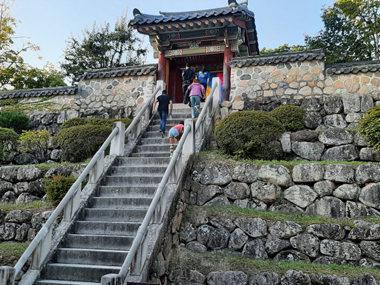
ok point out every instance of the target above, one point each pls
(105, 229)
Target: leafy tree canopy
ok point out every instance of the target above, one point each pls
(103, 48)
(283, 48)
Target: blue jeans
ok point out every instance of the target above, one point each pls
(163, 116)
(195, 101)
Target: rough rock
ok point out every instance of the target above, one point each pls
(306, 243)
(55, 154)
(365, 231)
(25, 158)
(286, 143)
(339, 173)
(237, 239)
(304, 136)
(333, 105)
(367, 262)
(266, 191)
(354, 117)
(358, 210)
(218, 201)
(312, 120)
(197, 277)
(8, 197)
(324, 188)
(336, 137)
(253, 204)
(26, 198)
(37, 187)
(370, 195)
(189, 233)
(22, 232)
(274, 245)
(205, 192)
(292, 277)
(218, 239)
(365, 279)
(328, 260)
(227, 277)
(359, 140)
(5, 186)
(64, 170)
(300, 195)
(18, 216)
(329, 207)
(347, 152)
(286, 207)
(21, 187)
(347, 192)
(203, 233)
(312, 172)
(370, 249)
(265, 278)
(311, 105)
(322, 279)
(284, 230)
(367, 173)
(366, 104)
(196, 246)
(292, 256)
(336, 121)
(246, 172)
(236, 190)
(351, 103)
(28, 173)
(254, 227)
(227, 224)
(8, 231)
(8, 173)
(255, 249)
(327, 231)
(342, 250)
(276, 174)
(216, 173)
(308, 150)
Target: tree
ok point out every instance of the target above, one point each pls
(351, 31)
(283, 48)
(103, 48)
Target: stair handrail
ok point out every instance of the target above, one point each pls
(94, 168)
(176, 160)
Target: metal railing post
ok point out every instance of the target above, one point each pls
(117, 143)
(7, 275)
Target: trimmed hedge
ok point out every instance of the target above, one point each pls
(8, 142)
(57, 187)
(369, 127)
(81, 142)
(14, 120)
(250, 134)
(91, 121)
(291, 117)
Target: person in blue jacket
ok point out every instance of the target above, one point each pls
(204, 76)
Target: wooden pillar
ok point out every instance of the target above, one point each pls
(161, 66)
(227, 73)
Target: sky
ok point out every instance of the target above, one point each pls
(50, 23)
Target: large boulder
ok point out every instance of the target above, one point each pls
(304, 136)
(189, 233)
(370, 249)
(335, 137)
(266, 191)
(367, 173)
(336, 121)
(237, 190)
(333, 105)
(324, 188)
(218, 201)
(9, 173)
(358, 210)
(274, 245)
(342, 250)
(311, 105)
(18, 216)
(322, 279)
(351, 103)
(286, 207)
(255, 249)
(28, 173)
(254, 204)
(254, 227)
(265, 278)
(26, 198)
(312, 172)
(205, 192)
(300, 195)
(5, 186)
(217, 173)
(339, 173)
(365, 279)
(218, 239)
(9, 197)
(276, 174)
(347, 152)
(312, 120)
(347, 192)
(237, 239)
(284, 229)
(246, 172)
(366, 104)
(329, 207)
(365, 231)
(203, 233)
(327, 231)
(227, 277)
(328, 260)
(306, 243)
(292, 277)
(370, 195)
(308, 150)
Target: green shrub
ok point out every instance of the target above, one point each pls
(98, 122)
(36, 143)
(81, 142)
(8, 102)
(14, 120)
(250, 134)
(57, 187)
(8, 142)
(369, 127)
(291, 117)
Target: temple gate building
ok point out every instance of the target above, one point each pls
(210, 37)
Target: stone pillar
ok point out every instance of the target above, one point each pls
(7, 275)
(161, 66)
(112, 279)
(227, 73)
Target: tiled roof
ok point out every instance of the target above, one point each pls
(353, 67)
(26, 93)
(277, 58)
(164, 17)
(148, 69)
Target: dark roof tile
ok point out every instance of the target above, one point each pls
(353, 67)
(148, 69)
(27, 93)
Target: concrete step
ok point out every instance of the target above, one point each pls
(174, 121)
(120, 203)
(119, 191)
(105, 242)
(63, 282)
(149, 141)
(106, 228)
(152, 148)
(79, 272)
(151, 154)
(148, 161)
(156, 128)
(118, 215)
(91, 256)
(154, 134)
(133, 179)
(120, 170)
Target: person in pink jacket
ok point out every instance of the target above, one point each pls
(197, 91)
